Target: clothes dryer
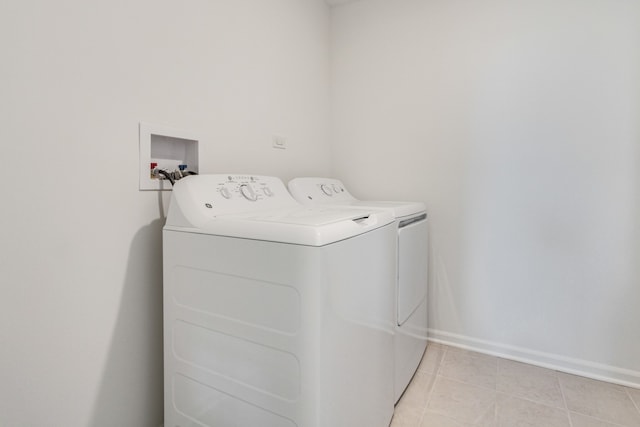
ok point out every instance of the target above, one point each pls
(411, 251)
(275, 315)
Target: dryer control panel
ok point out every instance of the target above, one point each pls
(329, 191)
(319, 190)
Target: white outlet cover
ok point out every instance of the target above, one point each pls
(279, 141)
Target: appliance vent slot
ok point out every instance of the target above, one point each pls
(413, 220)
(361, 219)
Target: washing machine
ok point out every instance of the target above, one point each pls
(411, 251)
(275, 315)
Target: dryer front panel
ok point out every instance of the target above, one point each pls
(412, 268)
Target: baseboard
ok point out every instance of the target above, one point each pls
(569, 365)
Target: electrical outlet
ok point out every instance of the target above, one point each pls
(279, 141)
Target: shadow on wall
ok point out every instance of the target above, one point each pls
(131, 392)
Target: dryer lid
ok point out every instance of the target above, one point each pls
(311, 191)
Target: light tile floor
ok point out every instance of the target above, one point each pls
(459, 388)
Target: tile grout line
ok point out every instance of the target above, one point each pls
(526, 399)
(433, 386)
(569, 412)
(564, 398)
(495, 404)
(439, 376)
(564, 408)
(598, 419)
(637, 405)
(470, 353)
(495, 390)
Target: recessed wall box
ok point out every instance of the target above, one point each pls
(165, 148)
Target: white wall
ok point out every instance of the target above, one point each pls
(518, 123)
(80, 259)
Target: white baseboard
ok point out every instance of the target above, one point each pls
(557, 362)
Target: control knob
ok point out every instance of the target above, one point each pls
(248, 193)
(326, 189)
(225, 193)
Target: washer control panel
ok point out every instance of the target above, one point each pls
(250, 188)
(214, 195)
